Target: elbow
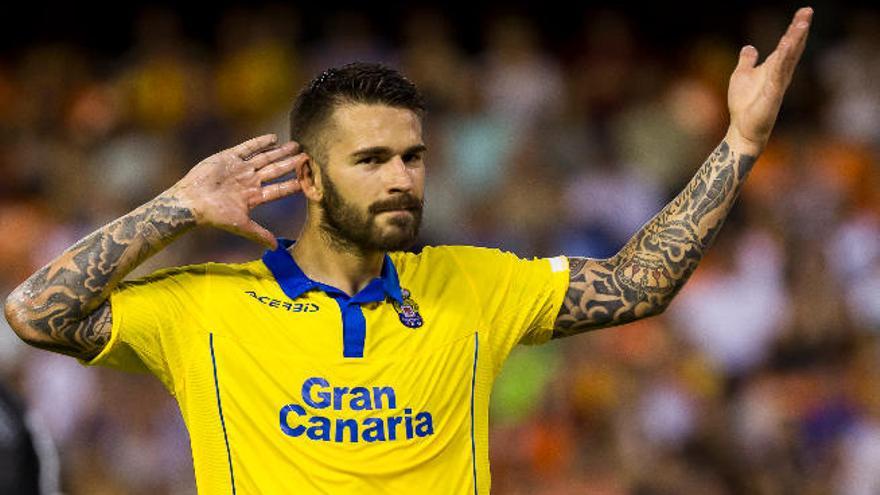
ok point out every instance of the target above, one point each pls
(653, 310)
(660, 308)
(14, 310)
(659, 305)
(666, 301)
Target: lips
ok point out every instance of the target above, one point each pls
(400, 213)
(397, 204)
(399, 210)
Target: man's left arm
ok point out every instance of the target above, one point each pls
(643, 277)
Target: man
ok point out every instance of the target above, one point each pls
(339, 364)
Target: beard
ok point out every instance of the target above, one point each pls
(353, 230)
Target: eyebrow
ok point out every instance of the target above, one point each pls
(384, 150)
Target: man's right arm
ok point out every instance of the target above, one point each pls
(64, 306)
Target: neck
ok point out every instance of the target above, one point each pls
(325, 261)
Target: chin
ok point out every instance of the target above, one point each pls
(397, 238)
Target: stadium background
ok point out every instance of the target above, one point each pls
(552, 131)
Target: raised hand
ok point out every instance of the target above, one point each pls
(755, 92)
(63, 307)
(223, 188)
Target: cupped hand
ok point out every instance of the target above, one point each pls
(222, 189)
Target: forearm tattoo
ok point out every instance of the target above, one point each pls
(644, 276)
(64, 304)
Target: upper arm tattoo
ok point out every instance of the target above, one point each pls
(602, 294)
(643, 277)
(63, 307)
(86, 338)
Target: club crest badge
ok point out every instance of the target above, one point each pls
(408, 310)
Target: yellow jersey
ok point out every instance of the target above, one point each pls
(288, 385)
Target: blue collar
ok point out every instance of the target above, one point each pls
(295, 283)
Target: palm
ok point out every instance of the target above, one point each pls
(755, 92)
(225, 187)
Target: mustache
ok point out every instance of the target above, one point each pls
(401, 202)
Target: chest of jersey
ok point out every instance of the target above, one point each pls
(400, 414)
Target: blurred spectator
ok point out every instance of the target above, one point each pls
(28, 458)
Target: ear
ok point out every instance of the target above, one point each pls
(309, 176)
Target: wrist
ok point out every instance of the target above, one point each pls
(741, 145)
(187, 204)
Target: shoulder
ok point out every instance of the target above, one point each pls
(201, 272)
(476, 261)
(254, 269)
(445, 256)
(170, 274)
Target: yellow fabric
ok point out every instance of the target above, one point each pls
(225, 337)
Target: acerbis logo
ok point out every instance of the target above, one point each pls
(285, 305)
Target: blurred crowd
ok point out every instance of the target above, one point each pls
(761, 378)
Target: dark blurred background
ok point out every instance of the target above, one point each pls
(553, 130)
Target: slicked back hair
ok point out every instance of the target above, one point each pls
(368, 83)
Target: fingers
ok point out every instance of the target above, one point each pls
(748, 56)
(250, 147)
(804, 15)
(795, 28)
(271, 192)
(279, 168)
(278, 190)
(790, 47)
(261, 159)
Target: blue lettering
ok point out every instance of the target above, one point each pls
(426, 427)
(338, 394)
(323, 397)
(393, 421)
(370, 429)
(407, 420)
(376, 430)
(320, 430)
(353, 430)
(378, 392)
(285, 427)
(361, 400)
(317, 394)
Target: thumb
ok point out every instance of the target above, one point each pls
(747, 57)
(258, 233)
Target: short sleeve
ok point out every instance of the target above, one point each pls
(520, 298)
(153, 318)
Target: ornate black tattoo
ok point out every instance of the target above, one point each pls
(644, 276)
(64, 306)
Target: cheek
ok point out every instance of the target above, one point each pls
(418, 179)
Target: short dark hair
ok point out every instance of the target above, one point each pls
(357, 82)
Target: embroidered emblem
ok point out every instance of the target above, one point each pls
(408, 311)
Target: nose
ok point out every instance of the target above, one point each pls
(398, 177)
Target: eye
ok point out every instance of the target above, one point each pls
(412, 157)
(368, 160)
